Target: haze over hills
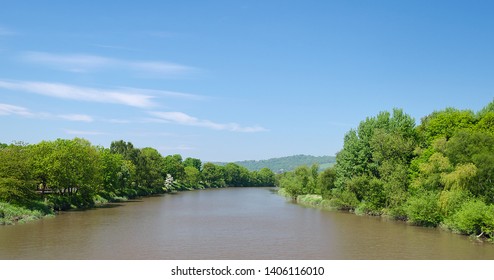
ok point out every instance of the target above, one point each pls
(284, 164)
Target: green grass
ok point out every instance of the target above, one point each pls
(315, 201)
(11, 214)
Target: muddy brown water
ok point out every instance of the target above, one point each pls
(232, 223)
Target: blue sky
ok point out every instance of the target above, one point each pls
(235, 80)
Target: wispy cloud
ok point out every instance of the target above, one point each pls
(89, 63)
(8, 109)
(77, 118)
(65, 91)
(72, 63)
(184, 119)
(165, 93)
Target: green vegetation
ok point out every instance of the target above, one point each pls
(36, 180)
(437, 173)
(10, 214)
(284, 164)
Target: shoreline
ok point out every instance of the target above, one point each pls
(317, 202)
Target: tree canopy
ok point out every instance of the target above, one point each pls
(65, 174)
(438, 172)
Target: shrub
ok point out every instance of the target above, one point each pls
(366, 208)
(423, 209)
(474, 217)
(451, 201)
(10, 214)
(343, 200)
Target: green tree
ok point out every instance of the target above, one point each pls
(212, 176)
(192, 177)
(423, 209)
(193, 162)
(375, 158)
(73, 172)
(118, 175)
(174, 166)
(266, 177)
(472, 153)
(327, 180)
(445, 124)
(489, 108)
(474, 217)
(16, 179)
(153, 170)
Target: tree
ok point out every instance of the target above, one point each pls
(423, 209)
(16, 179)
(327, 180)
(445, 124)
(193, 162)
(374, 161)
(473, 152)
(173, 165)
(474, 217)
(153, 170)
(118, 175)
(212, 176)
(192, 177)
(266, 177)
(489, 108)
(72, 171)
(236, 175)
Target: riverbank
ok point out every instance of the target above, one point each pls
(309, 200)
(316, 201)
(11, 214)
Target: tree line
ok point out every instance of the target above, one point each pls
(283, 164)
(66, 174)
(437, 173)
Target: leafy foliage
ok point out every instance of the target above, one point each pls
(439, 172)
(65, 174)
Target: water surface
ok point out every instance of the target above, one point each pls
(232, 223)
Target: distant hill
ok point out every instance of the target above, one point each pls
(283, 164)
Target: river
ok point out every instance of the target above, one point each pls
(232, 223)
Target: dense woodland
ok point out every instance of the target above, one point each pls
(65, 174)
(437, 173)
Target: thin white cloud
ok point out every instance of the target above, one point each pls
(157, 93)
(8, 109)
(65, 91)
(117, 121)
(77, 118)
(184, 119)
(89, 63)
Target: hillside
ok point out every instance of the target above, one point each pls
(286, 163)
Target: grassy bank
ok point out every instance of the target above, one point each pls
(309, 200)
(460, 226)
(11, 214)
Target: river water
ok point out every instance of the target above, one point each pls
(232, 223)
